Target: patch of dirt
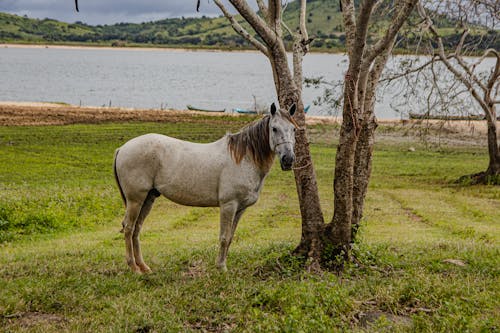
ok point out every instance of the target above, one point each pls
(434, 132)
(196, 269)
(54, 114)
(367, 319)
(33, 319)
(205, 325)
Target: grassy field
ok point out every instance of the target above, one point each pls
(427, 255)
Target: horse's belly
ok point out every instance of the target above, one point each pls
(190, 193)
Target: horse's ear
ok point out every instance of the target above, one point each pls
(292, 109)
(273, 109)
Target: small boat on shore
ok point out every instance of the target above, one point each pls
(194, 108)
(247, 111)
(244, 111)
(445, 117)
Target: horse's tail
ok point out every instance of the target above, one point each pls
(118, 180)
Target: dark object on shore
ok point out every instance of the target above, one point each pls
(446, 117)
(244, 111)
(247, 111)
(194, 108)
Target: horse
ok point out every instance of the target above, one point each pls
(228, 173)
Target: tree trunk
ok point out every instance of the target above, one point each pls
(493, 149)
(338, 231)
(362, 170)
(305, 177)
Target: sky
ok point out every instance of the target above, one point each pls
(109, 11)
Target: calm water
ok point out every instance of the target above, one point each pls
(154, 79)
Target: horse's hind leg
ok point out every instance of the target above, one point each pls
(131, 215)
(146, 208)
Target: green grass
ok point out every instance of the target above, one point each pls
(62, 266)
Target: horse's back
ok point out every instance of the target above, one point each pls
(185, 172)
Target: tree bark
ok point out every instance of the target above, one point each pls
(362, 171)
(493, 148)
(338, 231)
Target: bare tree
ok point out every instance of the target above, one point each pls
(466, 88)
(485, 90)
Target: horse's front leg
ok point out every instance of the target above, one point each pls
(227, 214)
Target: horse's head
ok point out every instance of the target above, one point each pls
(282, 135)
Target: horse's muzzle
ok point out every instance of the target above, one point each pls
(286, 162)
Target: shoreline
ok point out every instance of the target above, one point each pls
(14, 113)
(135, 48)
(106, 47)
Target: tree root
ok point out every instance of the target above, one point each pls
(480, 178)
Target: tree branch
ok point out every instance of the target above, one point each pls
(256, 22)
(302, 21)
(300, 45)
(348, 14)
(275, 16)
(240, 30)
(393, 29)
(263, 9)
(496, 72)
(408, 72)
(442, 56)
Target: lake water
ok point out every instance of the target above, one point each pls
(141, 78)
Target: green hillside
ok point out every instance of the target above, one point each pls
(323, 21)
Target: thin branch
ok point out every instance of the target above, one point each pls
(290, 32)
(496, 72)
(300, 45)
(458, 75)
(460, 45)
(408, 72)
(302, 21)
(485, 55)
(240, 30)
(469, 72)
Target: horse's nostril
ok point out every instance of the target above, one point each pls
(287, 159)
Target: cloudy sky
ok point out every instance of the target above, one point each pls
(108, 11)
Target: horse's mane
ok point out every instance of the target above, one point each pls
(254, 140)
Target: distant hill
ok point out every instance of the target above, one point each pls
(323, 21)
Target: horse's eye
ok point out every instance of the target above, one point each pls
(294, 129)
(274, 129)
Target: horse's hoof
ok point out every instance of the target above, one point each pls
(222, 268)
(135, 269)
(145, 269)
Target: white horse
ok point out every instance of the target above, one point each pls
(228, 173)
